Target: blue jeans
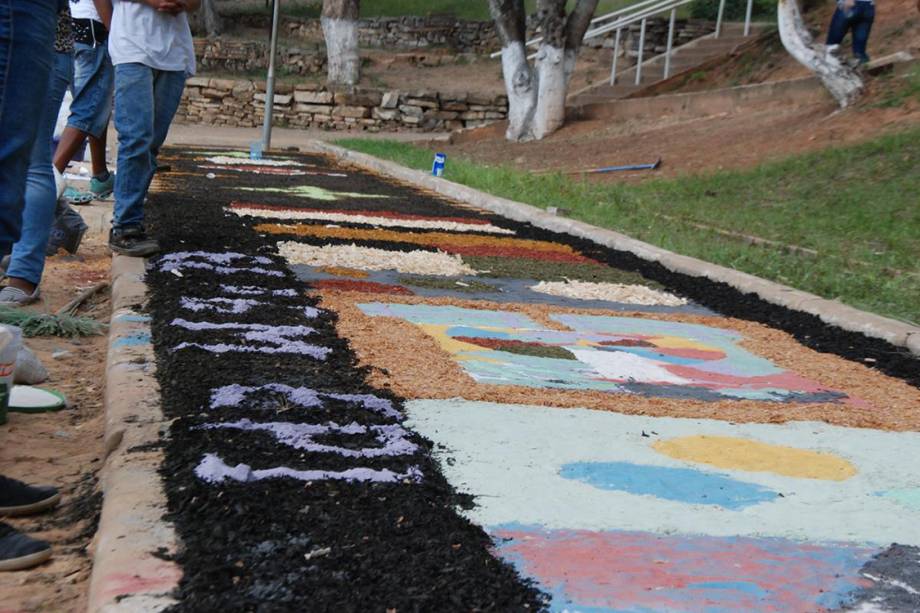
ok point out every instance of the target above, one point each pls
(93, 80)
(28, 260)
(859, 19)
(146, 100)
(26, 51)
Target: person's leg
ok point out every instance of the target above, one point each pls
(26, 51)
(168, 88)
(865, 15)
(28, 258)
(68, 144)
(838, 27)
(97, 153)
(134, 121)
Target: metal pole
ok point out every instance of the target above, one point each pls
(641, 53)
(667, 57)
(747, 18)
(719, 18)
(616, 55)
(270, 80)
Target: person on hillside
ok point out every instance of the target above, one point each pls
(27, 262)
(856, 16)
(93, 84)
(26, 53)
(150, 44)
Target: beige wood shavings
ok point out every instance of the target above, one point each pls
(612, 292)
(436, 263)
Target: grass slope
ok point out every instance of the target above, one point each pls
(855, 206)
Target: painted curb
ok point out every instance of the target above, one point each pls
(129, 572)
(830, 311)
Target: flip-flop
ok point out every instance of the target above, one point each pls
(28, 399)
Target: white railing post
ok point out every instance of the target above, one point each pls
(641, 53)
(616, 55)
(719, 18)
(747, 18)
(667, 57)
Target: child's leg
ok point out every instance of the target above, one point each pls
(838, 28)
(134, 120)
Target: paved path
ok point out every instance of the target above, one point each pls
(627, 448)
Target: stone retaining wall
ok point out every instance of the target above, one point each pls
(227, 102)
(479, 37)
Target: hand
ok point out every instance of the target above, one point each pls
(173, 7)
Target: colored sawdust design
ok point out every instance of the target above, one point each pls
(369, 258)
(373, 218)
(236, 160)
(348, 285)
(542, 270)
(591, 470)
(741, 454)
(465, 286)
(672, 359)
(460, 244)
(634, 572)
(269, 170)
(613, 292)
(415, 365)
(312, 192)
(678, 484)
(339, 271)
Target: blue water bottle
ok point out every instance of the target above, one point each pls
(437, 169)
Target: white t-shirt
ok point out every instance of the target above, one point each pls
(84, 9)
(143, 35)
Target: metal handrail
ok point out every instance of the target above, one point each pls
(639, 9)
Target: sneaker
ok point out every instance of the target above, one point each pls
(132, 241)
(75, 196)
(18, 498)
(18, 551)
(13, 296)
(102, 189)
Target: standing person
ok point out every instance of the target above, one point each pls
(857, 16)
(151, 47)
(28, 258)
(93, 84)
(26, 39)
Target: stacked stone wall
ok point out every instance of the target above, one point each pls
(225, 102)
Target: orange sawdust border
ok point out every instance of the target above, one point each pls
(411, 364)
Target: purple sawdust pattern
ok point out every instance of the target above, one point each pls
(255, 290)
(235, 395)
(230, 306)
(298, 347)
(214, 470)
(216, 262)
(393, 438)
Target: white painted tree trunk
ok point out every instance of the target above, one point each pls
(554, 69)
(521, 87)
(840, 80)
(343, 63)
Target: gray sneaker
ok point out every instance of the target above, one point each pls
(18, 551)
(132, 241)
(13, 296)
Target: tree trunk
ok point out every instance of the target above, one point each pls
(340, 29)
(536, 95)
(840, 80)
(206, 20)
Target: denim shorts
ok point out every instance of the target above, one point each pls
(93, 83)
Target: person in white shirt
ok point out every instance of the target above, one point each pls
(150, 44)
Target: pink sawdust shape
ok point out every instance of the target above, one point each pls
(640, 571)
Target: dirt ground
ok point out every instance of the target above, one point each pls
(64, 448)
(690, 146)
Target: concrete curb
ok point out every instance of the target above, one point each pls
(129, 573)
(830, 311)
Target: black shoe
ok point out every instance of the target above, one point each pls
(132, 241)
(18, 498)
(18, 551)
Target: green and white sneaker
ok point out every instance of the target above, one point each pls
(75, 196)
(102, 189)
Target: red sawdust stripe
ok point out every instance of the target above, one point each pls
(347, 285)
(516, 252)
(388, 214)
